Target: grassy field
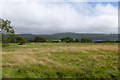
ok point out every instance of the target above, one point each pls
(67, 60)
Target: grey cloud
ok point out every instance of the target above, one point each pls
(48, 18)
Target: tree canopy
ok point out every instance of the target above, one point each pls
(40, 39)
(6, 30)
(67, 40)
(8, 34)
(86, 40)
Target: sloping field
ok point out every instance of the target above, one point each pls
(48, 60)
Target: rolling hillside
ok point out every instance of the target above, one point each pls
(104, 37)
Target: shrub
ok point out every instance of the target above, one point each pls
(86, 40)
(67, 40)
(40, 39)
(5, 45)
(21, 40)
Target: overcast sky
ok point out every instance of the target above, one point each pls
(55, 17)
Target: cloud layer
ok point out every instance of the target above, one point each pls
(55, 17)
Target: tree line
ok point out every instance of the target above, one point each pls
(64, 40)
(69, 40)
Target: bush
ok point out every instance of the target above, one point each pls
(86, 40)
(5, 45)
(67, 40)
(21, 40)
(40, 39)
(76, 40)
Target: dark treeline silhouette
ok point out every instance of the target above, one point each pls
(69, 40)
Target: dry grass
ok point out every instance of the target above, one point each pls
(39, 55)
(63, 57)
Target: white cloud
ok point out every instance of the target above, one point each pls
(106, 9)
(59, 0)
(49, 17)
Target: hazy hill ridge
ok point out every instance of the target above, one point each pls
(111, 37)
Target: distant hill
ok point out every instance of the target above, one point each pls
(104, 37)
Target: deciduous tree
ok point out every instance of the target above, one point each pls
(6, 30)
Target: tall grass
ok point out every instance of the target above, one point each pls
(71, 60)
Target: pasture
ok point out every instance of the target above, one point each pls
(60, 60)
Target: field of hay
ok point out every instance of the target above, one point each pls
(65, 60)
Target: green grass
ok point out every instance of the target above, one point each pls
(64, 60)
